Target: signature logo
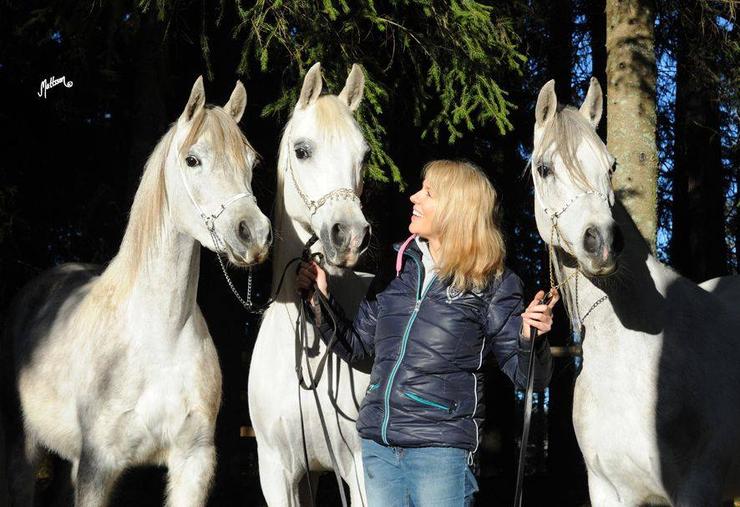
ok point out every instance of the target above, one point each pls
(48, 84)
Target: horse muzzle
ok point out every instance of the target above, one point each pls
(252, 241)
(601, 247)
(345, 242)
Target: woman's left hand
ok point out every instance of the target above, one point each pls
(538, 315)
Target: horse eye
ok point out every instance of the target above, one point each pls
(613, 168)
(302, 153)
(192, 161)
(544, 170)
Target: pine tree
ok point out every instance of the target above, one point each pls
(443, 58)
(698, 245)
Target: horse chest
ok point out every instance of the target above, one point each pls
(613, 406)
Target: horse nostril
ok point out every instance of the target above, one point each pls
(365, 238)
(243, 232)
(592, 240)
(268, 241)
(339, 236)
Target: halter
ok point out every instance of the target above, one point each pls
(209, 220)
(555, 230)
(313, 206)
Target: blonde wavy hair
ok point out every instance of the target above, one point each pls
(472, 249)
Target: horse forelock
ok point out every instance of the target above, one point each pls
(226, 138)
(567, 130)
(333, 120)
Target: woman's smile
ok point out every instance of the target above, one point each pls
(422, 213)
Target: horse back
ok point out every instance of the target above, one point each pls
(37, 307)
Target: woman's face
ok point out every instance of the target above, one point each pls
(422, 216)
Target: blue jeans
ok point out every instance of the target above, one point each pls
(422, 477)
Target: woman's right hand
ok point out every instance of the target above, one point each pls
(310, 275)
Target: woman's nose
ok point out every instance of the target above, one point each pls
(414, 198)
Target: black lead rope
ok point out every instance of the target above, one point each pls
(301, 325)
(527, 412)
(313, 380)
(301, 349)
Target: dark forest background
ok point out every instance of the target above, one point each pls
(444, 80)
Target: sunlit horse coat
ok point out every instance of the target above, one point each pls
(426, 384)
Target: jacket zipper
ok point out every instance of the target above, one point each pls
(425, 401)
(404, 342)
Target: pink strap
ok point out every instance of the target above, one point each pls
(399, 257)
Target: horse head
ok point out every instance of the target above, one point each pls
(208, 178)
(321, 159)
(572, 171)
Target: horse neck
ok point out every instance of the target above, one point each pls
(154, 276)
(634, 292)
(291, 239)
(168, 283)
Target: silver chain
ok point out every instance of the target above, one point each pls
(551, 249)
(571, 201)
(313, 206)
(593, 306)
(248, 305)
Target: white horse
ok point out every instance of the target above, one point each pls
(656, 406)
(318, 183)
(117, 369)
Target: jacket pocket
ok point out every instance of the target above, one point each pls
(446, 405)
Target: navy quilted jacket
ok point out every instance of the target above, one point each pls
(426, 384)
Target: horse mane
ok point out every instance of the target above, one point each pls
(145, 230)
(567, 129)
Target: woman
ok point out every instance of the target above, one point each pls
(452, 304)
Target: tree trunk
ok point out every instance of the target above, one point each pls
(698, 244)
(631, 123)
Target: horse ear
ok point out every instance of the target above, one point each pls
(237, 102)
(196, 101)
(353, 88)
(593, 104)
(311, 86)
(547, 103)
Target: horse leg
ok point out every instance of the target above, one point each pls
(23, 459)
(94, 480)
(190, 472)
(279, 485)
